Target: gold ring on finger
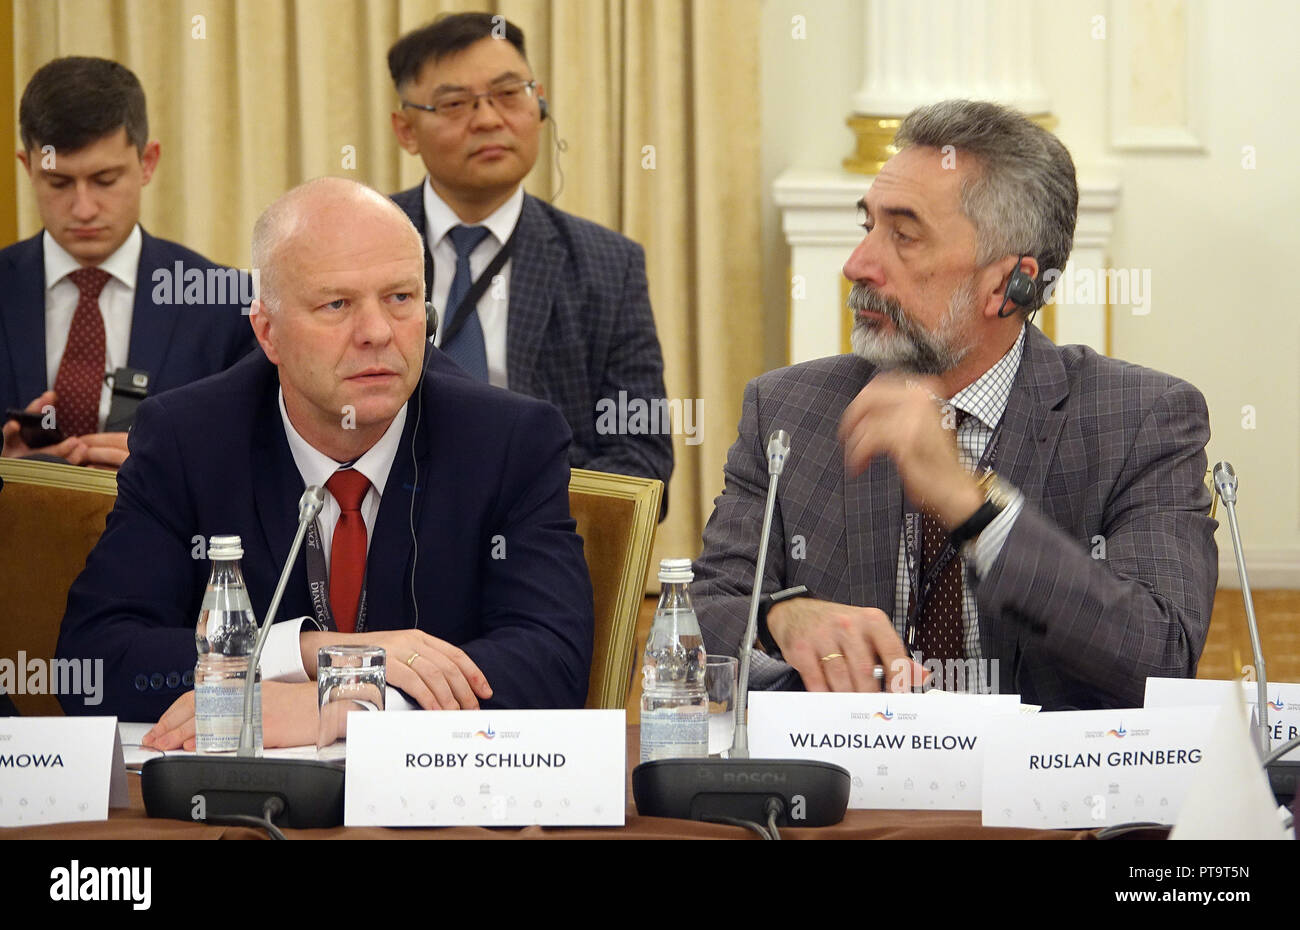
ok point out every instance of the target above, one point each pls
(833, 655)
(411, 660)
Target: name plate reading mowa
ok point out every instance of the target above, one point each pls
(1092, 768)
(487, 768)
(1283, 702)
(903, 751)
(59, 769)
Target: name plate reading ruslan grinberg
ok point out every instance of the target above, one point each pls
(486, 768)
(59, 769)
(1092, 768)
(903, 751)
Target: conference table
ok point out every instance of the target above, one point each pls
(131, 823)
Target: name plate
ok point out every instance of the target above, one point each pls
(1283, 702)
(59, 769)
(487, 768)
(903, 751)
(1092, 768)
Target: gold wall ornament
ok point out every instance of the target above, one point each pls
(875, 142)
(875, 139)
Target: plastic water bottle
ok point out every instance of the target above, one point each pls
(225, 636)
(674, 702)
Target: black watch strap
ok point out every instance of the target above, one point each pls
(976, 524)
(765, 604)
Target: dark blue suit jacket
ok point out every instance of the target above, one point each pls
(213, 458)
(175, 342)
(580, 329)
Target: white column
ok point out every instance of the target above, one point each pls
(920, 51)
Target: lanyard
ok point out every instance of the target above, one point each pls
(912, 539)
(475, 292)
(318, 584)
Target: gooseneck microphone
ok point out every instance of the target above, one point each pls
(309, 505)
(778, 447)
(738, 790)
(245, 788)
(1225, 483)
(1283, 774)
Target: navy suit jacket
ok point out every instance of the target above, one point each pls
(580, 330)
(175, 342)
(500, 569)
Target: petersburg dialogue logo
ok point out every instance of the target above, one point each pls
(1120, 733)
(883, 716)
(489, 733)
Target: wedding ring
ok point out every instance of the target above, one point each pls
(411, 660)
(833, 655)
(879, 673)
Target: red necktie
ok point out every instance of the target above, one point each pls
(81, 370)
(348, 549)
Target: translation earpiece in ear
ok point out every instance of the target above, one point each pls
(430, 322)
(543, 108)
(1020, 290)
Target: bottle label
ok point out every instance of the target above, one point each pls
(673, 733)
(219, 715)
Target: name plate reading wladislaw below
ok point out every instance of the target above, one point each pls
(1092, 768)
(59, 769)
(484, 768)
(903, 751)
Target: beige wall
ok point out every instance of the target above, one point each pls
(1222, 242)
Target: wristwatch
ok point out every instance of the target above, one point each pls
(765, 603)
(997, 496)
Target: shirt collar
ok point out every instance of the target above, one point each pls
(122, 264)
(440, 218)
(986, 398)
(316, 467)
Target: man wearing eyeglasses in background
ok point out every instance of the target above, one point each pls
(528, 297)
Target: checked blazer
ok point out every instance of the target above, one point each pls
(579, 330)
(1110, 458)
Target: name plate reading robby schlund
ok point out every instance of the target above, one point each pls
(903, 751)
(486, 768)
(59, 769)
(1092, 768)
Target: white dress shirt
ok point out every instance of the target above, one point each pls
(493, 306)
(116, 305)
(282, 655)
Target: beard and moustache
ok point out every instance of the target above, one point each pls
(911, 347)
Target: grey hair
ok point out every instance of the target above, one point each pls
(1023, 198)
(281, 220)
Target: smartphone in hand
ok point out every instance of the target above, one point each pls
(33, 433)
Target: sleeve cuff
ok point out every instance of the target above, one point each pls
(396, 700)
(282, 656)
(987, 546)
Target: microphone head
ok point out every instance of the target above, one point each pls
(1225, 482)
(778, 447)
(309, 505)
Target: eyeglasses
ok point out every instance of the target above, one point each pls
(506, 98)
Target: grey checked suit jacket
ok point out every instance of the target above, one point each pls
(1099, 447)
(580, 329)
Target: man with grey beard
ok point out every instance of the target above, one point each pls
(962, 495)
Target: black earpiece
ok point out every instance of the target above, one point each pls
(543, 108)
(1020, 290)
(430, 322)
